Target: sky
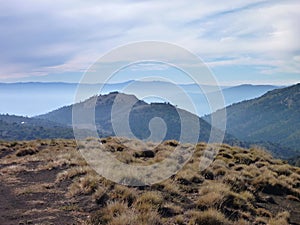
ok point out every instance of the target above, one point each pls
(249, 41)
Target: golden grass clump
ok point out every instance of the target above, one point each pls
(149, 200)
(208, 217)
(107, 214)
(84, 185)
(218, 195)
(281, 218)
(72, 173)
(281, 169)
(125, 194)
(118, 213)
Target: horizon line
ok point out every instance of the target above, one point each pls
(122, 82)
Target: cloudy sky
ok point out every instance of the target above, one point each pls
(249, 41)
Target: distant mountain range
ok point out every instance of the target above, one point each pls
(231, 95)
(30, 99)
(273, 117)
(245, 92)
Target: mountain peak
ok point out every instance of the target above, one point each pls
(109, 99)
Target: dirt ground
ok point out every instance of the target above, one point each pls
(28, 196)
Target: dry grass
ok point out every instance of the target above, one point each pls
(224, 193)
(149, 200)
(212, 194)
(84, 185)
(208, 217)
(280, 219)
(73, 172)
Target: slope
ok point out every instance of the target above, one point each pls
(141, 115)
(24, 128)
(272, 117)
(55, 185)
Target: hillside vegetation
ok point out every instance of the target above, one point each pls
(49, 182)
(272, 117)
(24, 128)
(140, 115)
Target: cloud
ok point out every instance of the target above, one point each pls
(39, 38)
